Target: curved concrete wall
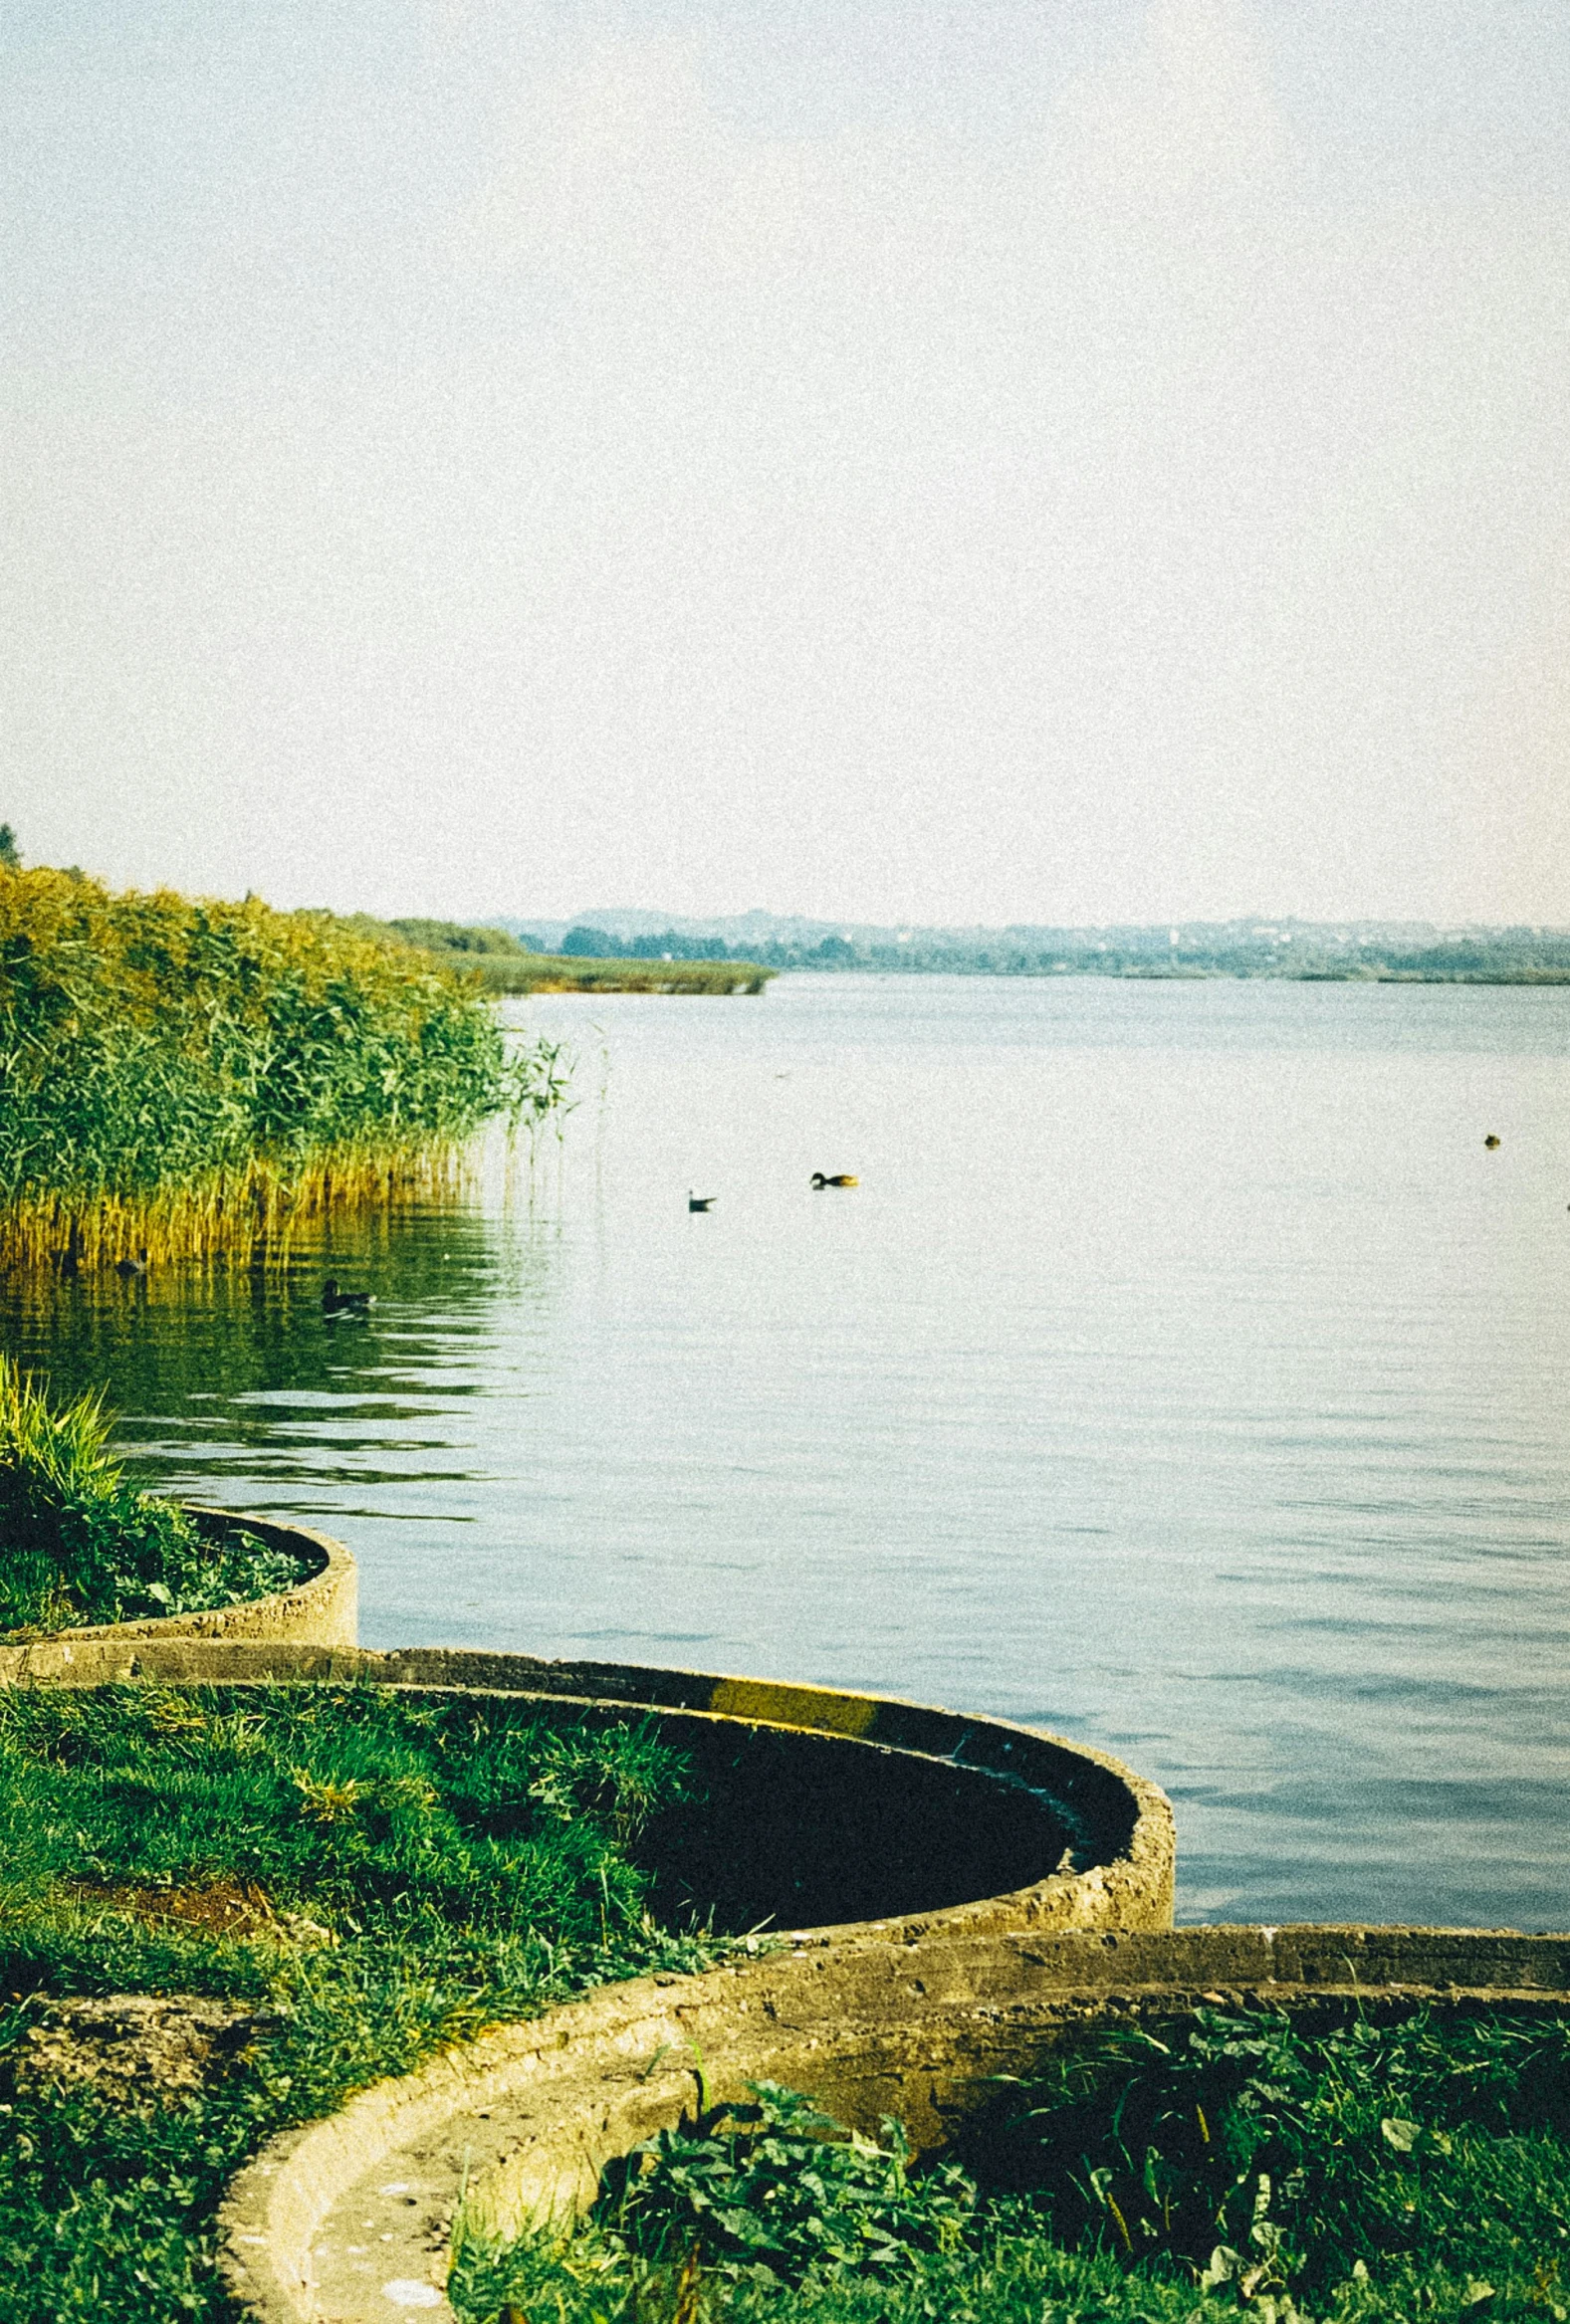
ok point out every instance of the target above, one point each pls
(1089, 1844)
(948, 1829)
(348, 2221)
(826, 1808)
(323, 1610)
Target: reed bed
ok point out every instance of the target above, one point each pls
(184, 1078)
(556, 972)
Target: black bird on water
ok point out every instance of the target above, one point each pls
(1491, 1142)
(137, 1266)
(844, 1179)
(345, 1303)
(700, 1201)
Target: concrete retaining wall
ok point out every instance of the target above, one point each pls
(348, 2221)
(838, 1808)
(323, 1610)
(911, 2013)
(919, 1827)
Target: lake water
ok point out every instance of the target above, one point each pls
(1184, 1375)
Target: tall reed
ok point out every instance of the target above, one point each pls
(183, 1077)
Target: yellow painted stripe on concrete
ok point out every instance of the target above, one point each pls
(793, 1706)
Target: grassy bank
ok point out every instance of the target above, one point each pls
(1367, 2167)
(79, 1545)
(333, 1880)
(186, 1076)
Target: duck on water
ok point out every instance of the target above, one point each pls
(345, 1303)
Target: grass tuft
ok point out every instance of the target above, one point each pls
(78, 1544)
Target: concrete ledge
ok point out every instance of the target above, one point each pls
(322, 1611)
(853, 1809)
(952, 1830)
(326, 2220)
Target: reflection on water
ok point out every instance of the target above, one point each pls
(232, 1380)
(1184, 1374)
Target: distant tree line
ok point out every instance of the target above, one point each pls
(1502, 956)
(597, 944)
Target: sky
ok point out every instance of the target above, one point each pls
(1031, 460)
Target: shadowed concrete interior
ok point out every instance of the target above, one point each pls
(813, 1806)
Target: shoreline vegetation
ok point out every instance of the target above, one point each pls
(499, 962)
(79, 1546)
(554, 972)
(182, 1078)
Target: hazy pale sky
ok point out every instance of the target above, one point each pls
(1055, 460)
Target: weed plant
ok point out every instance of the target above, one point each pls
(776, 2188)
(1244, 2166)
(179, 1076)
(78, 1544)
(372, 1874)
(1260, 2151)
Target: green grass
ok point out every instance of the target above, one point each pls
(375, 1875)
(78, 1544)
(1397, 2167)
(185, 1076)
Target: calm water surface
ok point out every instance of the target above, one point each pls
(1184, 1374)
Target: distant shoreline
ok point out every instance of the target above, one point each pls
(1351, 952)
(542, 973)
(501, 959)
